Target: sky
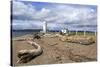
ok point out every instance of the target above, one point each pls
(30, 15)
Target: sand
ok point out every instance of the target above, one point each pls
(55, 51)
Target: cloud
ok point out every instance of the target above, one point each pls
(72, 14)
(22, 10)
(26, 24)
(56, 14)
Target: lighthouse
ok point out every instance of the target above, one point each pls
(44, 26)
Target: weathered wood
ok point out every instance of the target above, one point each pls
(27, 55)
(78, 39)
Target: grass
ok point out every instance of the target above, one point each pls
(82, 33)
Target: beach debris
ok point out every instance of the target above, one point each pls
(48, 35)
(63, 38)
(79, 58)
(78, 39)
(53, 44)
(24, 39)
(27, 55)
(52, 35)
(61, 33)
(36, 36)
(58, 35)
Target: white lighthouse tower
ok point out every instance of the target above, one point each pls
(44, 26)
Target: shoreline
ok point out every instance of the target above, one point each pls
(55, 50)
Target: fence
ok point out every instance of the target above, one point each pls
(84, 33)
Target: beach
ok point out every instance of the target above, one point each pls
(55, 51)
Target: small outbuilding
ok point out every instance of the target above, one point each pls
(65, 31)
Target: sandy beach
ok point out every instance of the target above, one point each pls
(55, 51)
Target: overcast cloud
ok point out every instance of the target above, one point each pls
(31, 15)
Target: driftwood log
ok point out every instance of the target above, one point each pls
(79, 39)
(27, 55)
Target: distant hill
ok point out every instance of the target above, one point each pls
(37, 30)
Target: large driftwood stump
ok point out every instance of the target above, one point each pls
(27, 55)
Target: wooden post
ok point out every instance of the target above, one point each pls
(84, 33)
(76, 32)
(69, 32)
(95, 33)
